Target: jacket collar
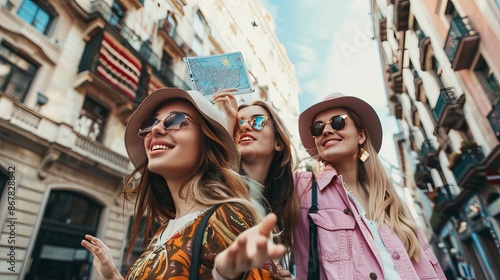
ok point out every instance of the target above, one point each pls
(326, 176)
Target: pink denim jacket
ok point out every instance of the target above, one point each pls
(345, 245)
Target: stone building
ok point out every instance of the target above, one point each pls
(442, 72)
(71, 73)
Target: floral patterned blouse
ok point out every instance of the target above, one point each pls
(172, 259)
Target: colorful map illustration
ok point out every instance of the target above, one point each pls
(210, 73)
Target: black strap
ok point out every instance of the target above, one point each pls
(198, 239)
(313, 262)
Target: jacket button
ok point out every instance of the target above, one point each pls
(395, 256)
(373, 275)
(346, 211)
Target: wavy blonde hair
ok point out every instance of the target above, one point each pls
(213, 181)
(384, 205)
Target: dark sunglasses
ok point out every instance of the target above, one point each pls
(257, 122)
(337, 123)
(174, 121)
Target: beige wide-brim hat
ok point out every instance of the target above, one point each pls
(135, 145)
(369, 118)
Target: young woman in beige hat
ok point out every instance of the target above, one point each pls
(358, 226)
(186, 160)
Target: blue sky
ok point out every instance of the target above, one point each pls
(330, 43)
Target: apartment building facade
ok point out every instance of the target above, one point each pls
(71, 73)
(442, 71)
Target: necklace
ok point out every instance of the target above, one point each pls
(347, 188)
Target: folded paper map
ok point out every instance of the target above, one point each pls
(211, 73)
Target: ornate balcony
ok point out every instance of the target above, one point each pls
(422, 176)
(429, 154)
(467, 167)
(445, 197)
(494, 119)
(167, 30)
(401, 14)
(395, 79)
(461, 44)
(448, 112)
(149, 56)
(444, 206)
(166, 77)
(60, 140)
(109, 66)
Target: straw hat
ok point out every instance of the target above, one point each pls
(135, 145)
(368, 116)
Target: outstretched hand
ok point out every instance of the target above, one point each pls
(103, 261)
(251, 249)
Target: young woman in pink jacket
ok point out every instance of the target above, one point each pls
(360, 228)
(364, 230)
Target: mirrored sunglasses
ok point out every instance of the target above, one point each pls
(257, 122)
(337, 123)
(174, 121)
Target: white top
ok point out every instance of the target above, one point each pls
(390, 271)
(175, 225)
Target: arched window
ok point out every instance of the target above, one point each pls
(58, 253)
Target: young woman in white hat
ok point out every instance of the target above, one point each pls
(352, 224)
(186, 159)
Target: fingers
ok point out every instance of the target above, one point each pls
(242, 258)
(276, 251)
(223, 95)
(226, 90)
(267, 224)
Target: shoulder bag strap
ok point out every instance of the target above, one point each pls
(313, 262)
(197, 241)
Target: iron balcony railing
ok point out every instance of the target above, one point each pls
(461, 43)
(469, 158)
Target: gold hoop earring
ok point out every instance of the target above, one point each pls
(363, 154)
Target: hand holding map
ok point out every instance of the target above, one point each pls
(211, 73)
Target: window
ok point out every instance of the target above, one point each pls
(16, 73)
(117, 13)
(92, 119)
(438, 71)
(418, 31)
(3, 180)
(450, 11)
(199, 27)
(171, 24)
(37, 13)
(487, 78)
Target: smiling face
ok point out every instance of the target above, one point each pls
(338, 145)
(174, 153)
(255, 144)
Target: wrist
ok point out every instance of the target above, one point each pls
(218, 276)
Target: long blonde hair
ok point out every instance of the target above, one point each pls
(214, 181)
(384, 205)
